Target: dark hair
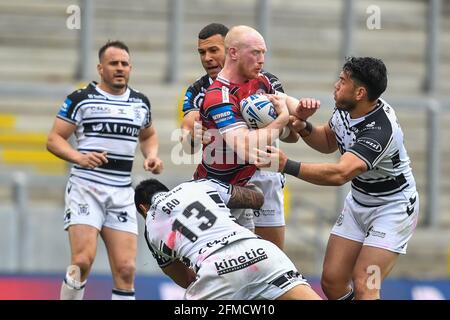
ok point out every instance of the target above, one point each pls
(115, 44)
(145, 190)
(211, 30)
(369, 72)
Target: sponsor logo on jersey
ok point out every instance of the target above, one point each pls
(221, 242)
(119, 128)
(138, 100)
(221, 116)
(240, 262)
(96, 96)
(99, 109)
(370, 143)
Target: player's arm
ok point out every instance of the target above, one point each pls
(179, 273)
(171, 266)
(327, 174)
(57, 143)
(249, 196)
(320, 138)
(148, 140)
(298, 109)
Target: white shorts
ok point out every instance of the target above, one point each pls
(244, 217)
(387, 227)
(272, 212)
(99, 205)
(247, 269)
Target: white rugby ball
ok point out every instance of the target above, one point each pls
(257, 111)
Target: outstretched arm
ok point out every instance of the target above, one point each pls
(327, 174)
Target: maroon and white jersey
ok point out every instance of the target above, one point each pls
(221, 111)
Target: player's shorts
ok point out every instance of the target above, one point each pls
(99, 205)
(248, 269)
(387, 227)
(244, 217)
(272, 212)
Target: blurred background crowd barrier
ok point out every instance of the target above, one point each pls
(48, 48)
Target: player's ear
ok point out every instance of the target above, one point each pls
(99, 68)
(233, 53)
(143, 210)
(361, 93)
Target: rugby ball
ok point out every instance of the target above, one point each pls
(257, 111)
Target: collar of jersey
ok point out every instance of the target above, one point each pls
(354, 122)
(223, 80)
(122, 97)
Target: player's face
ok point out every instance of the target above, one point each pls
(251, 58)
(345, 93)
(114, 69)
(212, 54)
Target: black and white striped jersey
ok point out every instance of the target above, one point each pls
(377, 139)
(108, 123)
(195, 93)
(192, 221)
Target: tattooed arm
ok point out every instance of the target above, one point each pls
(249, 196)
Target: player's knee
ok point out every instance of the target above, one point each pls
(84, 262)
(327, 283)
(330, 279)
(126, 271)
(332, 284)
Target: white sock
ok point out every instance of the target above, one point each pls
(121, 294)
(72, 288)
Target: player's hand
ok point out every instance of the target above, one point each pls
(92, 159)
(307, 107)
(153, 164)
(272, 157)
(201, 134)
(296, 124)
(280, 105)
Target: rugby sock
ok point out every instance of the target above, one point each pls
(72, 288)
(348, 296)
(121, 294)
